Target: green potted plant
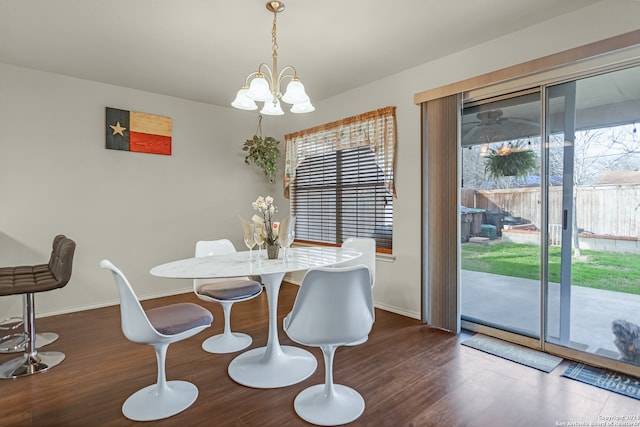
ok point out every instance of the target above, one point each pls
(510, 160)
(262, 152)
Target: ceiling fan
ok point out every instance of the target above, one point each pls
(492, 127)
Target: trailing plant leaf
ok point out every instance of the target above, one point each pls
(264, 153)
(510, 160)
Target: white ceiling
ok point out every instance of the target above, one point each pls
(203, 49)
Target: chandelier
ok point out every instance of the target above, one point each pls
(264, 85)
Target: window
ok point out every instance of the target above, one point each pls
(339, 178)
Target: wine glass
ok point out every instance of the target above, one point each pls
(249, 239)
(287, 235)
(259, 236)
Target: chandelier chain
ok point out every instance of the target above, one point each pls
(274, 42)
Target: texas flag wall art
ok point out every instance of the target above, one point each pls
(138, 132)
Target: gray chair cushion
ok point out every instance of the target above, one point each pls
(176, 318)
(231, 289)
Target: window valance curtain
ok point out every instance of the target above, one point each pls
(376, 129)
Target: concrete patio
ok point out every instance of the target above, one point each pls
(514, 304)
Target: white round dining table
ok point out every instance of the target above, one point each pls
(274, 365)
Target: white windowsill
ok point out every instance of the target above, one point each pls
(379, 256)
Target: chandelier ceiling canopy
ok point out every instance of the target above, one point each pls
(264, 84)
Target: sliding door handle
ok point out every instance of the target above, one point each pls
(565, 216)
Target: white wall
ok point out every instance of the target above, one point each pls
(398, 286)
(140, 210)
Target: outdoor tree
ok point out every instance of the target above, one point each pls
(473, 174)
(595, 151)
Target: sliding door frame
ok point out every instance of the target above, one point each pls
(614, 53)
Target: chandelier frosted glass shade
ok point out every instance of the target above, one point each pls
(243, 102)
(295, 93)
(272, 108)
(303, 107)
(259, 89)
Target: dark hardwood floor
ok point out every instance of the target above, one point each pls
(409, 375)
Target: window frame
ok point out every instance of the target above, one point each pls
(375, 130)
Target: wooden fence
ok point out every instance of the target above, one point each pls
(605, 210)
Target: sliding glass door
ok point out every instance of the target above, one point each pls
(500, 213)
(549, 232)
(593, 293)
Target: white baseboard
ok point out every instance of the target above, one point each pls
(290, 279)
(397, 310)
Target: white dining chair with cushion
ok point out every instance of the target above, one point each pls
(334, 307)
(157, 327)
(367, 246)
(226, 292)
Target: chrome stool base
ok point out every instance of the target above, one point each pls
(12, 341)
(30, 364)
(17, 343)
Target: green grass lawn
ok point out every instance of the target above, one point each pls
(594, 269)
